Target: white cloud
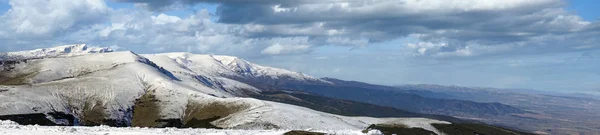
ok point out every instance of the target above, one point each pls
(423, 48)
(450, 28)
(48, 17)
(278, 49)
(165, 19)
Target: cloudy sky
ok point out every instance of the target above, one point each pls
(536, 44)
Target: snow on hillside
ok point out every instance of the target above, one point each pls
(205, 73)
(11, 128)
(117, 79)
(65, 50)
(294, 117)
(219, 65)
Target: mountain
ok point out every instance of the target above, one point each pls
(526, 109)
(574, 114)
(268, 78)
(390, 96)
(229, 68)
(76, 86)
(66, 50)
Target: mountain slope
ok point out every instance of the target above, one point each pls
(218, 65)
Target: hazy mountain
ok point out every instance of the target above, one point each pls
(572, 113)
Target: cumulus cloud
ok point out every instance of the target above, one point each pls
(42, 23)
(278, 49)
(467, 27)
(43, 17)
(449, 28)
(94, 23)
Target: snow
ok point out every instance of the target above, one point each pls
(218, 65)
(119, 78)
(11, 128)
(293, 117)
(65, 50)
(204, 74)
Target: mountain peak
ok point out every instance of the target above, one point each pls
(236, 64)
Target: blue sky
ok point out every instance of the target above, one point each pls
(588, 9)
(534, 44)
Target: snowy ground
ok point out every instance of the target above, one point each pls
(11, 128)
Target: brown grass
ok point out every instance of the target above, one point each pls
(93, 113)
(146, 111)
(90, 109)
(211, 110)
(19, 79)
(199, 115)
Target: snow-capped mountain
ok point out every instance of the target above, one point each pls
(219, 65)
(66, 50)
(93, 85)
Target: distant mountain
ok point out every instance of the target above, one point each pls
(385, 95)
(572, 113)
(526, 109)
(345, 107)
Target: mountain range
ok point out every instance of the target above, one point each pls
(82, 85)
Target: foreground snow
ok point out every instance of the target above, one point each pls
(11, 128)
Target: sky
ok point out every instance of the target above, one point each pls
(548, 45)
